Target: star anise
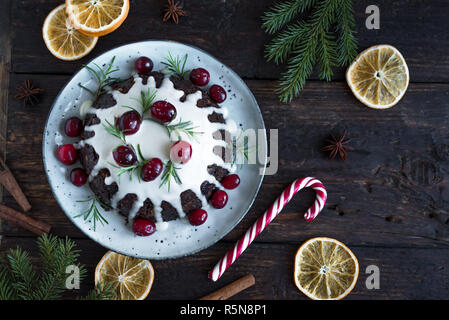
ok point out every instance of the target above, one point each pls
(28, 93)
(173, 10)
(337, 146)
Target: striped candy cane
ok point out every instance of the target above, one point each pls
(268, 216)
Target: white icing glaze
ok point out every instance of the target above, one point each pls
(155, 142)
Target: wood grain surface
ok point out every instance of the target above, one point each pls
(389, 202)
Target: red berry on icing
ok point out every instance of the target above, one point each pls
(129, 122)
(197, 217)
(124, 156)
(67, 154)
(199, 76)
(78, 177)
(219, 199)
(73, 127)
(144, 65)
(143, 227)
(152, 169)
(181, 152)
(231, 182)
(217, 93)
(163, 111)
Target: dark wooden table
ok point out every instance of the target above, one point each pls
(389, 202)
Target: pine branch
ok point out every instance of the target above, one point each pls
(280, 47)
(300, 66)
(347, 43)
(176, 65)
(309, 41)
(92, 213)
(56, 255)
(282, 13)
(103, 77)
(23, 276)
(102, 291)
(7, 291)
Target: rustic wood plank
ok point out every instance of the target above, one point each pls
(5, 58)
(416, 28)
(392, 191)
(404, 273)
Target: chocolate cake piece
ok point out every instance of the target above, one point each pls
(184, 85)
(88, 157)
(146, 211)
(103, 191)
(125, 205)
(208, 189)
(189, 201)
(218, 172)
(158, 77)
(123, 86)
(168, 212)
(206, 101)
(223, 153)
(215, 117)
(104, 101)
(91, 120)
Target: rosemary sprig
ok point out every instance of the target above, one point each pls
(92, 214)
(169, 173)
(114, 130)
(135, 168)
(176, 65)
(146, 100)
(103, 77)
(240, 151)
(185, 127)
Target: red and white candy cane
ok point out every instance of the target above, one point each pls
(268, 216)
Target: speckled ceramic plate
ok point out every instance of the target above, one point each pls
(180, 238)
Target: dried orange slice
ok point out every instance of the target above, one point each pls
(325, 269)
(62, 39)
(378, 76)
(132, 278)
(97, 17)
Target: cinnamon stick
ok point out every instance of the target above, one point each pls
(232, 288)
(33, 225)
(10, 183)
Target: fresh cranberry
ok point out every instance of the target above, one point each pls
(78, 177)
(217, 93)
(144, 65)
(152, 169)
(197, 217)
(163, 111)
(129, 122)
(73, 127)
(199, 76)
(67, 154)
(231, 182)
(219, 199)
(181, 152)
(124, 156)
(143, 227)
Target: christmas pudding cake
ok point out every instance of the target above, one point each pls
(154, 147)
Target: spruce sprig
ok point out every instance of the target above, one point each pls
(324, 38)
(176, 65)
(103, 77)
(92, 214)
(19, 279)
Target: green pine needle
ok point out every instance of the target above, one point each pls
(169, 173)
(19, 280)
(323, 38)
(92, 214)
